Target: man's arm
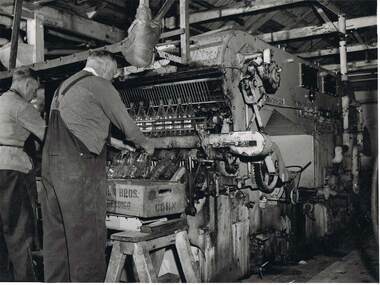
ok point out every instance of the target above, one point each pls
(116, 111)
(120, 145)
(31, 120)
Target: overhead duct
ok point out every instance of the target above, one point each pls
(143, 35)
(24, 54)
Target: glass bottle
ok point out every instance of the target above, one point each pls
(141, 115)
(131, 111)
(188, 114)
(161, 116)
(170, 114)
(179, 112)
(150, 117)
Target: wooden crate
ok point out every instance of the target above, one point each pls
(145, 198)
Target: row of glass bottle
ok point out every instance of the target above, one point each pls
(164, 117)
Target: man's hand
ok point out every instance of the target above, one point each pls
(148, 147)
(118, 144)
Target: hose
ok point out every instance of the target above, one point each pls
(264, 180)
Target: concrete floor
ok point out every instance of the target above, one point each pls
(350, 268)
(321, 268)
(352, 257)
(348, 263)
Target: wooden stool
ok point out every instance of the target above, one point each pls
(138, 245)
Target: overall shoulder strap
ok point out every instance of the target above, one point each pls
(58, 93)
(75, 81)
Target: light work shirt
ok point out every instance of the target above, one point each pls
(89, 106)
(18, 119)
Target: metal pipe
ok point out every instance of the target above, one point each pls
(359, 135)
(342, 47)
(355, 169)
(344, 77)
(15, 33)
(348, 138)
(249, 164)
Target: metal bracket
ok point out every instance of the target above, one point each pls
(252, 101)
(170, 56)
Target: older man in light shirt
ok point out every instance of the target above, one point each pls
(18, 119)
(74, 171)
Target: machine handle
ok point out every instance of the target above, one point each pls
(164, 191)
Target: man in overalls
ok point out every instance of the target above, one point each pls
(18, 119)
(74, 174)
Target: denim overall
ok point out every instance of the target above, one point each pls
(73, 203)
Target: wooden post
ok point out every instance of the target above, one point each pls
(189, 266)
(15, 33)
(35, 36)
(184, 24)
(144, 265)
(157, 258)
(116, 264)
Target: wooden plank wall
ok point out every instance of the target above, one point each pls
(226, 254)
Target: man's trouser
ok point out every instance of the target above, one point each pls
(16, 226)
(73, 207)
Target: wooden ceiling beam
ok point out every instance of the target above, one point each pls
(328, 5)
(259, 21)
(72, 23)
(204, 4)
(315, 42)
(214, 14)
(257, 6)
(66, 60)
(333, 51)
(354, 66)
(117, 3)
(79, 25)
(6, 20)
(42, 2)
(312, 31)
